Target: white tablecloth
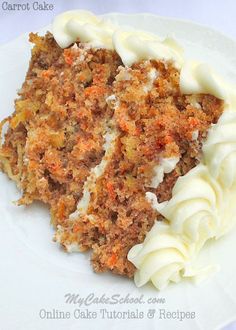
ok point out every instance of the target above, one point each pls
(219, 14)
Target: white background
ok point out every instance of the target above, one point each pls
(214, 13)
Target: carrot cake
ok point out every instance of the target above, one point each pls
(122, 139)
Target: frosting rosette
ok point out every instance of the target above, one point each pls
(193, 210)
(197, 78)
(161, 258)
(134, 46)
(165, 257)
(220, 149)
(85, 26)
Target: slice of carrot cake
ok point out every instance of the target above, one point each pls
(123, 140)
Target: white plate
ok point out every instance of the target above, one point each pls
(36, 274)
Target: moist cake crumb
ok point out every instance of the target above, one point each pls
(57, 133)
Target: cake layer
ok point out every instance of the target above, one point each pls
(56, 133)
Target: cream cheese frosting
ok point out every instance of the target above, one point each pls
(132, 45)
(220, 149)
(197, 78)
(166, 259)
(193, 208)
(83, 25)
(166, 165)
(202, 206)
(159, 260)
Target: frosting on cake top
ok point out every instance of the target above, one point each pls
(130, 44)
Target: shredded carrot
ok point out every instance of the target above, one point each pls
(99, 75)
(168, 139)
(68, 56)
(82, 77)
(111, 191)
(54, 166)
(112, 260)
(47, 73)
(138, 131)
(95, 91)
(193, 122)
(61, 210)
(32, 165)
(159, 123)
(147, 151)
(76, 228)
(123, 124)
